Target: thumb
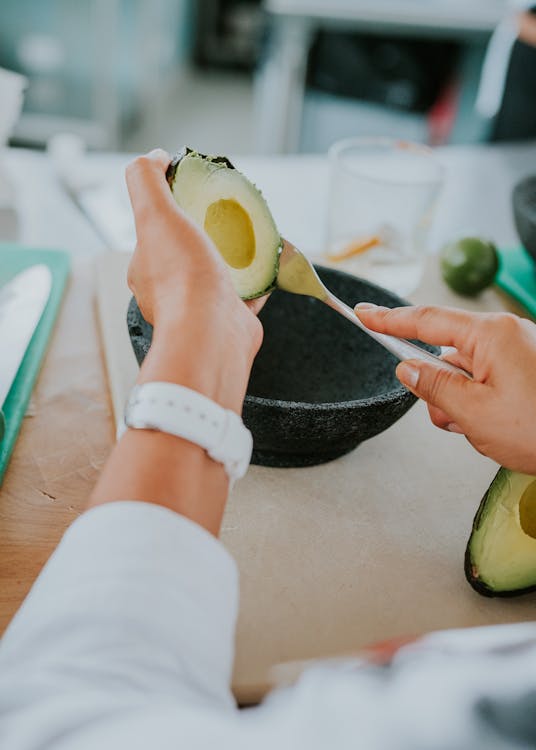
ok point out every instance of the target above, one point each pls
(147, 186)
(439, 387)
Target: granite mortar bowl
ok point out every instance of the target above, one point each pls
(524, 204)
(319, 385)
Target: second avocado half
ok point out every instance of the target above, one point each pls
(500, 559)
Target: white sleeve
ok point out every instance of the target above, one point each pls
(126, 641)
(135, 600)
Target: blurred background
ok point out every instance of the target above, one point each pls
(246, 76)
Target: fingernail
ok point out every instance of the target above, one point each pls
(408, 375)
(157, 153)
(453, 427)
(365, 306)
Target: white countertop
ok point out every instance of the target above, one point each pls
(370, 546)
(476, 197)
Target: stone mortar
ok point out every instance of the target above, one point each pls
(319, 385)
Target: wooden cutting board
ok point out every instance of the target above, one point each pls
(14, 259)
(365, 548)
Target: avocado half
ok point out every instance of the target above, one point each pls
(233, 212)
(500, 559)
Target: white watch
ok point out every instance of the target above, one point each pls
(172, 408)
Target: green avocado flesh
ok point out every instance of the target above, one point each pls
(234, 214)
(500, 559)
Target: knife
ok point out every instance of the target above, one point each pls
(22, 301)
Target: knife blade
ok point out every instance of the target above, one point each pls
(22, 302)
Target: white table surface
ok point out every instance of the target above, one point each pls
(476, 196)
(369, 546)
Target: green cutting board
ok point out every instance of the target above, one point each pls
(13, 259)
(517, 276)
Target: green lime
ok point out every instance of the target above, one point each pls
(469, 265)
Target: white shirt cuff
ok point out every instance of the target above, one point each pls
(131, 580)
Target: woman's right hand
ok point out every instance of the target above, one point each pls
(204, 337)
(496, 411)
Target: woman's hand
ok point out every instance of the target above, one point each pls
(184, 289)
(527, 28)
(496, 410)
(204, 338)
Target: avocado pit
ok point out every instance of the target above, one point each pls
(527, 510)
(231, 230)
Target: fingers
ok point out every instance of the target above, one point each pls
(445, 391)
(438, 417)
(443, 420)
(159, 156)
(147, 185)
(447, 394)
(459, 359)
(435, 325)
(256, 305)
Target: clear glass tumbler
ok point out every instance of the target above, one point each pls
(382, 198)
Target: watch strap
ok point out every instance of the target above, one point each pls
(180, 411)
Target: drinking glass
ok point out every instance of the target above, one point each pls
(382, 197)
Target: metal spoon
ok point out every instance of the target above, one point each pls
(297, 275)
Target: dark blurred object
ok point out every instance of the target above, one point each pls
(227, 33)
(524, 204)
(403, 73)
(516, 119)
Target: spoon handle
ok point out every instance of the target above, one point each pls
(401, 348)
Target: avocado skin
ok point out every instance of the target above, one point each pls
(185, 150)
(478, 270)
(479, 586)
(268, 289)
